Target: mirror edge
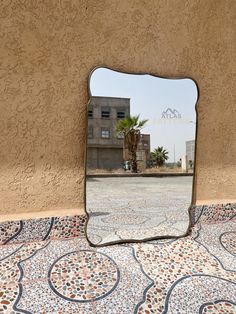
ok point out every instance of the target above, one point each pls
(193, 196)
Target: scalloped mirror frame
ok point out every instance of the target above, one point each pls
(192, 203)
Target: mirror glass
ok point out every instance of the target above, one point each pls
(140, 156)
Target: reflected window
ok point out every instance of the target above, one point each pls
(105, 113)
(90, 113)
(120, 114)
(90, 132)
(105, 133)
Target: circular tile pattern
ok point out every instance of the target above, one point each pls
(228, 241)
(83, 276)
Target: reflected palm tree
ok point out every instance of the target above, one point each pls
(160, 155)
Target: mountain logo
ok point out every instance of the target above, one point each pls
(171, 114)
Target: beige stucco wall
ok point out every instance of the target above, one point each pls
(48, 49)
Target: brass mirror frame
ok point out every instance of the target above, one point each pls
(85, 161)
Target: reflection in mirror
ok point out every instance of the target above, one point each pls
(140, 156)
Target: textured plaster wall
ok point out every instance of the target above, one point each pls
(48, 49)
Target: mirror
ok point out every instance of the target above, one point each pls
(140, 156)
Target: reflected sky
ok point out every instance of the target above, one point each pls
(150, 97)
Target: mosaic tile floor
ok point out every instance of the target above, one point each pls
(47, 266)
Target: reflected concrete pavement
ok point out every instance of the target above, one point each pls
(136, 208)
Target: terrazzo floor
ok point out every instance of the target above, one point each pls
(47, 266)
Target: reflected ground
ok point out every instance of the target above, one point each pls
(136, 208)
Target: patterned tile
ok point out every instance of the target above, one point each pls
(169, 263)
(37, 297)
(9, 230)
(59, 272)
(9, 269)
(9, 250)
(97, 281)
(68, 227)
(228, 241)
(42, 228)
(219, 307)
(213, 213)
(184, 297)
(25, 231)
(75, 278)
(219, 241)
(8, 296)
(33, 230)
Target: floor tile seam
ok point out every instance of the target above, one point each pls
(219, 222)
(46, 279)
(23, 281)
(41, 240)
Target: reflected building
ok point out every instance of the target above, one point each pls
(105, 146)
(190, 151)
